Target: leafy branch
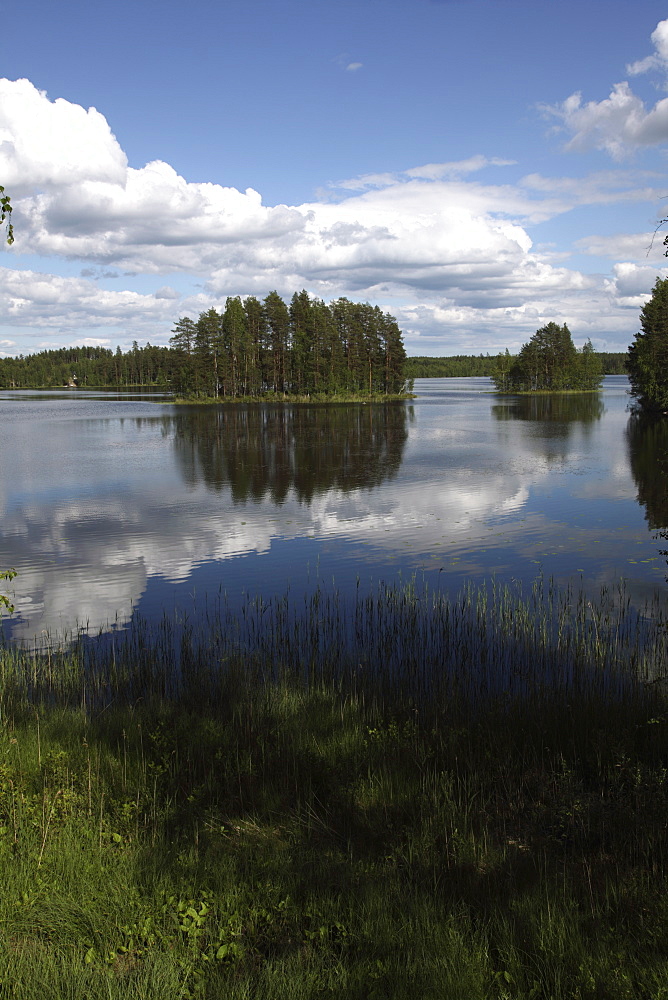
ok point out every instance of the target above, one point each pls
(6, 213)
(8, 574)
(660, 224)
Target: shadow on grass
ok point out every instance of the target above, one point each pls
(454, 798)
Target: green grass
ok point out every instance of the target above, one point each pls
(462, 798)
(544, 392)
(280, 397)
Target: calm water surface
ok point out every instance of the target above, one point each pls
(113, 503)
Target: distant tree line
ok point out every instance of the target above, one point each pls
(91, 367)
(252, 349)
(612, 363)
(467, 365)
(456, 366)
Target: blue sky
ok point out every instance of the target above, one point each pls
(476, 167)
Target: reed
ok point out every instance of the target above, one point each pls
(394, 645)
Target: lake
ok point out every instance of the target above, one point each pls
(114, 504)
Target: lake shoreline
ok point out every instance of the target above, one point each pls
(545, 392)
(338, 399)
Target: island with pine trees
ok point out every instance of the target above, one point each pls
(307, 350)
(549, 362)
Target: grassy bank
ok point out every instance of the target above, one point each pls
(314, 397)
(546, 392)
(398, 796)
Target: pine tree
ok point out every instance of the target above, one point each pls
(590, 368)
(278, 332)
(236, 347)
(207, 350)
(647, 361)
(257, 372)
(302, 344)
(394, 358)
(328, 364)
(184, 335)
(183, 341)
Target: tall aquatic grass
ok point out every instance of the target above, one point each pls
(397, 795)
(408, 643)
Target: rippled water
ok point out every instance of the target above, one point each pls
(115, 503)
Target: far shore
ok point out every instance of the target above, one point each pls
(544, 392)
(289, 398)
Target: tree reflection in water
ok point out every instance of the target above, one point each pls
(647, 437)
(550, 419)
(553, 408)
(260, 451)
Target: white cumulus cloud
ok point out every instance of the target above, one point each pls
(53, 143)
(659, 58)
(621, 122)
(633, 283)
